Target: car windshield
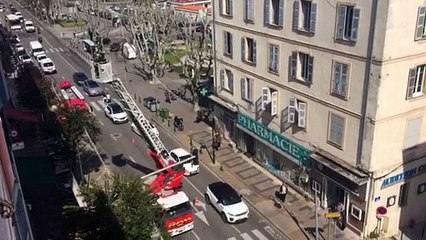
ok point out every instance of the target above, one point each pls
(116, 108)
(42, 57)
(48, 64)
(178, 210)
(92, 84)
(25, 56)
(231, 198)
(38, 50)
(29, 24)
(81, 76)
(185, 157)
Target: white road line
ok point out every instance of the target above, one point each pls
(245, 236)
(236, 229)
(46, 50)
(95, 106)
(57, 49)
(196, 189)
(101, 102)
(232, 238)
(131, 159)
(52, 50)
(75, 70)
(60, 49)
(100, 122)
(62, 77)
(195, 235)
(258, 234)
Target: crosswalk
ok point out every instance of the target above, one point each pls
(54, 50)
(97, 105)
(255, 234)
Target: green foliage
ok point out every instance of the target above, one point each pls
(121, 209)
(72, 23)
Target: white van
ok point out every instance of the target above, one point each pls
(129, 51)
(36, 48)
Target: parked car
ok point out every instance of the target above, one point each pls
(227, 202)
(29, 26)
(115, 112)
(25, 58)
(180, 154)
(19, 47)
(115, 47)
(48, 66)
(40, 58)
(79, 78)
(92, 88)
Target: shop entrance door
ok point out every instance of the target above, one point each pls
(250, 149)
(334, 194)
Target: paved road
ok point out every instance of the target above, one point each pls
(125, 157)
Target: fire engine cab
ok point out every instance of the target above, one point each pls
(72, 97)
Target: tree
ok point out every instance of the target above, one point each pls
(151, 28)
(122, 208)
(198, 60)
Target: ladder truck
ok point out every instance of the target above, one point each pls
(167, 184)
(72, 97)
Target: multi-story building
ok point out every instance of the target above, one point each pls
(330, 97)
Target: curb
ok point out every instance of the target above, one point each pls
(167, 131)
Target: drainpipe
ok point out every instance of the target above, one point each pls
(214, 46)
(365, 94)
(365, 91)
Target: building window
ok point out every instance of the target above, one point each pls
(403, 194)
(340, 79)
(274, 12)
(316, 187)
(247, 89)
(227, 80)
(416, 82)
(274, 55)
(336, 130)
(249, 11)
(348, 23)
(270, 100)
(356, 212)
(227, 42)
(413, 132)
(301, 66)
(304, 16)
(421, 24)
(297, 110)
(225, 7)
(248, 50)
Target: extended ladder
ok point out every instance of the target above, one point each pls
(142, 123)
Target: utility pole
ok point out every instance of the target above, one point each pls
(214, 141)
(316, 216)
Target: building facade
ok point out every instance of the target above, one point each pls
(330, 97)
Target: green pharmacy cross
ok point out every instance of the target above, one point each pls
(203, 91)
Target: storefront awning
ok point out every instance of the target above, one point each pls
(223, 103)
(346, 177)
(22, 116)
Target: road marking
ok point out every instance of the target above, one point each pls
(195, 235)
(101, 102)
(75, 70)
(236, 229)
(196, 189)
(258, 234)
(52, 50)
(62, 77)
(232, 238)
(131, 159)
(57, 49)
(85, 93)
(100, 122)
(116, 136)
(245, 236)
(95, 106)
(60, 49)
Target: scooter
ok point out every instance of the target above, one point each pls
(40, 39)
(178, 124)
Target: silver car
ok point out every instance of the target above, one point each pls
(92, 88)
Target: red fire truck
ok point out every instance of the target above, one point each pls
(73, 99)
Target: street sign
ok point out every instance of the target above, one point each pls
(333, 215)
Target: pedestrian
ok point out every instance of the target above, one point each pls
(108, 97)
(167, 95)
(194, 152)
(282, 193)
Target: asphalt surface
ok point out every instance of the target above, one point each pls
(125, 156)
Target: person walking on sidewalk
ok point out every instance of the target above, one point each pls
(167, 96)
(282, 193)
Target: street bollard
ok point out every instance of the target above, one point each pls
(135, 96)
(140, 101)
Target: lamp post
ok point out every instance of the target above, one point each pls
(214, 140)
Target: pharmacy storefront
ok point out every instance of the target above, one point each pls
(282, 156)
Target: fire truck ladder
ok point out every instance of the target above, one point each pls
(141, 122)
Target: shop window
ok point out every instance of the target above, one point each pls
(403, 194)
(356, 212)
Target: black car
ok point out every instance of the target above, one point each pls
(115, 47)
(79, 78)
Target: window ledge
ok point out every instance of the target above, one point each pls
(335, 145)
(301, 81)
(227, 55)
(247, 100)
(345, 42)
(248, 21)
(303, 32)
(249, 63)
(273, 26)
(420, 40)
(226, 16)
(276, 73)
(340, 96)
(227, 90)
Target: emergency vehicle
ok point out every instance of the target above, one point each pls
(73, 99)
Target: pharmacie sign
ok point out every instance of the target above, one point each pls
(397, 178)
(288, 146)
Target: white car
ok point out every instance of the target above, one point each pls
(47, 66)
(20, 17)
(19, 47)
(227, 202)
(29, 26)
(25, 58)
(191, 167)
(114, 111)
(40, 58)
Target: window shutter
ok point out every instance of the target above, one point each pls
(250, 10)
(230, 40)
(221, 10)
(411, 83)
(222, 78)
(231, 82)
(231, 7)
(254, 51)
(341, 22)
(271, 57)
(281, 13)
(243, 88)
(293, 64)
(310, 68)
(355, 24)
(301, 115)
(296, 15)
(243, 49)
(225, 42)
(420, 30)
(265, 97)
(291, 117)
(246, 9)
(344, 80)
(276, 57)
(337, 77)
(413, 131)
(250, 83)
(313, 19)
(274, 103)
(266, 11)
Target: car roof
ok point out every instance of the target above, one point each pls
(180, 152)
(221, 189)
(173, 200)
(46, 60)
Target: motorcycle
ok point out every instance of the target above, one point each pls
(178, 124)
(40, 39)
